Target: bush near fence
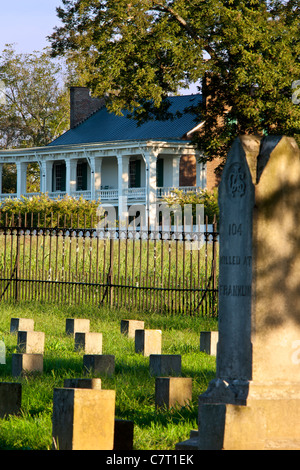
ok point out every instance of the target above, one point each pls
(40, 210)
(208, 199)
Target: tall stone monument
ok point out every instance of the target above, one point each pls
(254, 401)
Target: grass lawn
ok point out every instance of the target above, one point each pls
(135, 387)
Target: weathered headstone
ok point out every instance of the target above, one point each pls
(21, 324)
(128, 327)
(165, 364)
(74, 325)
(10, 398)
(209, 342)
(93, 383)
(123, 436)
(234, 349)
(99, 363)
(83, 419)
(172, 392)
(2, 352)
(148, 342)
(90, 343)
(31, 342)
(23, 364)
(191, 443)
(254, 402)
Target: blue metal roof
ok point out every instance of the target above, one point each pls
(103, 126)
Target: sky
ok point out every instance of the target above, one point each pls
(27, 23)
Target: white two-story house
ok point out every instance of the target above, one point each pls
(110, 158)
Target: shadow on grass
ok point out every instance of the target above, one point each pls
(56, 367)
(138, 369)
(61, 366)
(152, 416)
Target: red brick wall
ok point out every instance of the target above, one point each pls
(187, 170)
(82, 105)
(212, 180)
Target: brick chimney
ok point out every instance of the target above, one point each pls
(82, 105)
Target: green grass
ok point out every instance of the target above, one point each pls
(135, 388)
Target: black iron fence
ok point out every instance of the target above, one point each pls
(158, 270)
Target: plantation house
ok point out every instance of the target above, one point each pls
(110, 158)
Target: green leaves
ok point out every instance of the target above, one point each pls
(36, 108)
(138, 51)
(46, 212)
(209, 199)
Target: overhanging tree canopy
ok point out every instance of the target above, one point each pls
(137, 52)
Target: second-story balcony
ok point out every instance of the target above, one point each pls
(167, 191)
(110, 195)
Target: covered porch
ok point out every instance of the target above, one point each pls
(118, 174)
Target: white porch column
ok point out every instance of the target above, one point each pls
(175, 171)
(96, 165)
(71, 166)
(21, 178)
(200, 173)
(151, 197)
(46, 176)
(123, 182)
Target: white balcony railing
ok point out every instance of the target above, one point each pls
(7, 196)
(107, 194)
(110, 194)
(56, 194)
(135, 193)
(86, 194)
(167, 191)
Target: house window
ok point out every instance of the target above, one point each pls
(81, 176)
(59, 177)
(135, 174)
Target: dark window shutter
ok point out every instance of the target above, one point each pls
(160, 173)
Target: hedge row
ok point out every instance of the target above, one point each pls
(42, 211)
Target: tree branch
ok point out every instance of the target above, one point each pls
(192, 32)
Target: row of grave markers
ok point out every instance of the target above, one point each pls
(84, 413)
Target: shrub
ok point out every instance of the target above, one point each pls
(42, 211)
(208, 198)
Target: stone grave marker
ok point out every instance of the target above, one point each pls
(74, 325)
(90, 342)
(21, 324)
(254, 401)
(123, 436)
(209, 342)
(23, 363)
(2, 352)
(172, 392)
(93, 383)
(148, 342)
(128, 327)
(99, 363)
(165, 364)
(10, 398)
(31, 342)
(83, 419)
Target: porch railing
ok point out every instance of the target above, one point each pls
(166, 191)
(107, 194)
(135, 193)
(110, 194)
